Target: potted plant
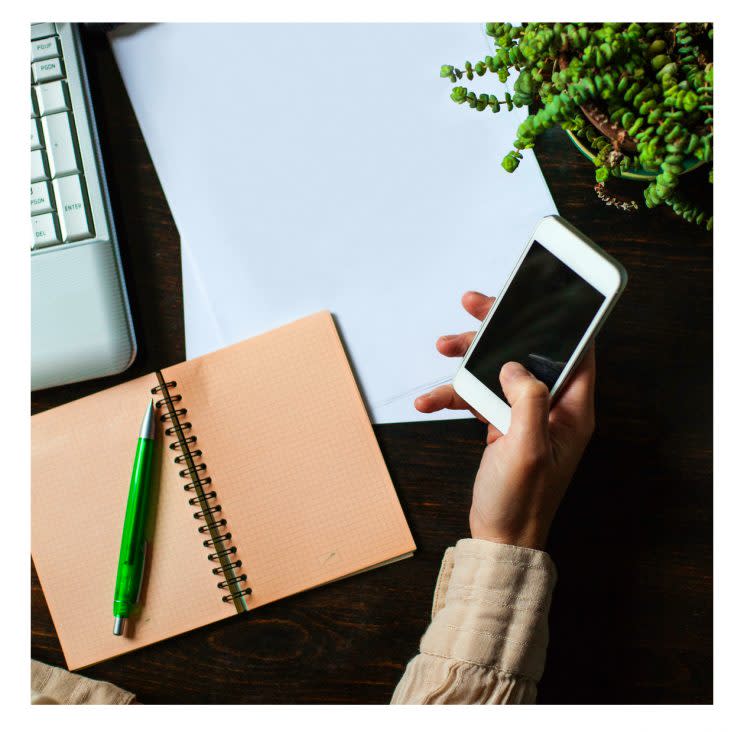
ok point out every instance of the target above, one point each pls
(635, 98)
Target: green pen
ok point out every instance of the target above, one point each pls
(133, 539)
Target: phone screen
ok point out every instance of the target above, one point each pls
(539, 322)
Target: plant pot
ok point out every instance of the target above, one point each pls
(597, 116)
(634, 173)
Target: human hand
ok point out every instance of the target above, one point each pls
(524, 473)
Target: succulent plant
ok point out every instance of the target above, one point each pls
(639, 95)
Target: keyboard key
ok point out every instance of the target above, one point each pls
(34, 105)
(61, 145)
(41, 198)
(40, 30)
(48, 70)
(44, 231)
(36, 143)
(45, 48)
(72, 206)
(53, 97)
(39, 168)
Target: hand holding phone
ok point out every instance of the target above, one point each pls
(523, 474)
(558, 296)
(535, 341)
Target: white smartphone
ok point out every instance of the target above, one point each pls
(556, 299)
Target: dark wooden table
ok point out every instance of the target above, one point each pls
(631, 620)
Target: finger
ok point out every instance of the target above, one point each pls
(576, 402)
(477, 304)
(493, 434)
(530, 402)
(455, 345)
(443, 397)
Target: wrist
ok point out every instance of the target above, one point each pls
(529, 536)
(525, 542)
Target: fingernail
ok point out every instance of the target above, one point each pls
(424, 396)
(446, 337)
(512, 370)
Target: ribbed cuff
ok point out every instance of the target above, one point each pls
(52, 685)
(491, 607)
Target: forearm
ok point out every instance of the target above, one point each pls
(488, 637)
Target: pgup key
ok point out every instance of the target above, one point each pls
(45, 48)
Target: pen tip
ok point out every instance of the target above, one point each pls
(147, 430)
(119, 625)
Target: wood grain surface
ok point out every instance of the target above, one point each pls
(631, 620)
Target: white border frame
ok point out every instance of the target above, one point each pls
(591, 264)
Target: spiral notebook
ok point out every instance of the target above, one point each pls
(270, 482)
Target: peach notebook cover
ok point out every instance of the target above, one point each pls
(291, 455)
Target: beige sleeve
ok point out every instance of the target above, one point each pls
(489, 632)
(52, 685)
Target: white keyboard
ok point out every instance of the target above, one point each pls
(81, 325)
(60, 207)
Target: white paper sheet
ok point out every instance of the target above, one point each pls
(323, 166)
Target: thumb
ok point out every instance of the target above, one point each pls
(529, 399)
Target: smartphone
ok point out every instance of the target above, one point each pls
(554, 302)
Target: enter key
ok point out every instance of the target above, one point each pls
(72, 207)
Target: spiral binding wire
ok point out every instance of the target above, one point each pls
(207, 513)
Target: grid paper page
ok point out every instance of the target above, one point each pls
(82, 457)
(293, 458)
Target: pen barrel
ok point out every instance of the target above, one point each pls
(133, 538)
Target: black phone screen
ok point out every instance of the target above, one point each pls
(540, 320)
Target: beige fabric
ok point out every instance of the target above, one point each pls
(486, 643)
(50, 685)
(489, 632)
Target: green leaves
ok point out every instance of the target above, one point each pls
(658, 61)
(690, 101)
(524, 88)
(653, 81)
(656, 47)
(667, 71)
(459, 94)
(511, 161)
